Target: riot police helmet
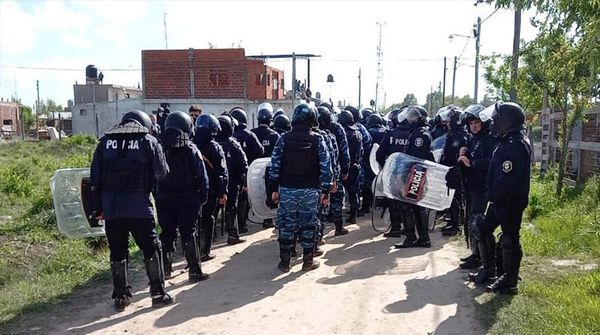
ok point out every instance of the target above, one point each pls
(209, 122)
(239, 114)
(413, 115)
(282, 122)
(278, 111)
(179, 121)
(507, 117)
(366, 112)
(355, 113)
(327, 105)
(323, 116)
(345, 118)
(452, 116)
(375, 120)
(226, 125)
(393, 116)
(305, 115)
(137, 116)
(264, 113)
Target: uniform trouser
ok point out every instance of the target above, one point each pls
(352, 186)
(401, 213)
(455, 208)
(422, 223)
(367, 192)
(230, 210)
(243, 208)
(207, 224)
(337, 202)
(508, 217)
(172, 219)
(475, 205)
(298, 212)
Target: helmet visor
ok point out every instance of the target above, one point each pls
(401, 116)
(488, 113)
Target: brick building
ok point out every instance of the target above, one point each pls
(10, 124)
(208, 74)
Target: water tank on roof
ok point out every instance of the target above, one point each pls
(91, 73)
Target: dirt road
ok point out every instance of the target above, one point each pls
(364, 286)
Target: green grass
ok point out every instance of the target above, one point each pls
(554, 299)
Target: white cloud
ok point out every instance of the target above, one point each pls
(17, 29)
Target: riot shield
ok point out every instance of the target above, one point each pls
(75, 203)
(375, 167)
(257, 189)
(437, 147)
(416, 181)
(380, 214)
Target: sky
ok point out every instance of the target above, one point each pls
(69, 35)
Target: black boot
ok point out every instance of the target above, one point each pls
(352, 218)
(451, 231)
(308, 262)
(511, 257)
(121, 289)
(268, 223)
(233, 237)
(285, 257)
(168, 263)
(191, 256)
(396, 222)
(154, 270)
(339, 227)
(487, 251)
(208, 226)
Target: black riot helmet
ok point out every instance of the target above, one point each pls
(239, 114)
(305, 115)
(282, 122)
(375, 120)
(453, 116)
(326, 104)
(264, 113)
(345, 118)
(278, 111)
(179, 121)
(137, 116)
(226, 124)
(507, 117)
(393, 116)
(472, 113)
(209, 122)
(355, 113)
(323, 116)
(365, 113)
(414, 115)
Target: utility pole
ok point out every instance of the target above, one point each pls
(359, 88)
(165, 24)
(515, 56)
(379, 83)
(37, 108)
(453, 78)
(477, 32)
(444, 85)
(430, 100)
(293, 81)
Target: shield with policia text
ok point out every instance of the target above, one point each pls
(416, 181)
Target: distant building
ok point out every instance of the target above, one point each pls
(10, 122)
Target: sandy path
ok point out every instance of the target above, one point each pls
(364, 286)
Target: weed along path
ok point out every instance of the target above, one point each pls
(364, 286)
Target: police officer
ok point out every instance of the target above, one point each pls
(367, 143)
(326, 120)
(475, 158)
(125, 166)
(195, 111)
(181, 193)
(365, 113)
(376, 126)
(301, 170)
(281, 124)
(278, 111)
(267, 137)
(438, 128)
(457, 138)
(396, 140)
(162, 116)
(507, 183)
(237, 167)
(419, 145)
(355, 150)
(253, 150)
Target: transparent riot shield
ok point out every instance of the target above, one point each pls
(74, 203)
(257, 189)
(437, 147)
(380, 214)
(373, 159)
(416, 181)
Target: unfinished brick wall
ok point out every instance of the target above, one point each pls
(216, 73)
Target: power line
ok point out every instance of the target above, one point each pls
(59, 69)
(494, 12)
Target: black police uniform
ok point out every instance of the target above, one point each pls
(125, 165)
(253, 150)
(352, 183)
(457, 138)
(267, 137)
(214, 158)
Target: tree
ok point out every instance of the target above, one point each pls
(410, 99)
(27, 117)
(49, 106)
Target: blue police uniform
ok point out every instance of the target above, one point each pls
(337, 198)
(125, 166)
(301, 168)
(214, 157)
(352, 183)
(253, 150)
(367, 142)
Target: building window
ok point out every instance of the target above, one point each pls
(260, 79)
(7, 122)
(82, 112)
(218, 78)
